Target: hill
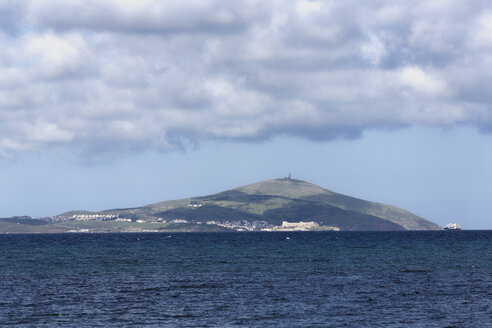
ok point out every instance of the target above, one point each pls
(298, 189)
(265, 205)
(278, 200)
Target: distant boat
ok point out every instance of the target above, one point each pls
(452, 226)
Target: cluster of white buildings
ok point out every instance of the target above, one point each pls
(178, 221)
(242, 225)
(295, 226)
(159, 220)
(85, 217)
(238, 225)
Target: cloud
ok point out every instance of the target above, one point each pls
(421, 82)
(144, 16)
(10, 13)
(106, 77)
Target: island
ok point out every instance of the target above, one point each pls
(283, 204)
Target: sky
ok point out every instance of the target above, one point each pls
(110, 103)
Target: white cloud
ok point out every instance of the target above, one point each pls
(374, 50)
(482, 36)
(108, 76)
(53, 56)
(45, 132)
(421, 82)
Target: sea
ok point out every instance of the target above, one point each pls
(247, 279)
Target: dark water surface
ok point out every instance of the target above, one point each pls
(302, 279)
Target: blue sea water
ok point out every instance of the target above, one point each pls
(270, 279)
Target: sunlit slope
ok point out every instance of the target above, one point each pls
(275, 201)
(297, 189)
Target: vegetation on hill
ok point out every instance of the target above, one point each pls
(256, 206)
(280, 200)
(306, 191)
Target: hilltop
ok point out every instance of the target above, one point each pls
(297, 189)
(265, 205)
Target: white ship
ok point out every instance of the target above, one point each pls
(452, 226)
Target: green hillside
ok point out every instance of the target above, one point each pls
(303, 190)
(263, 205)
(292, 200)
